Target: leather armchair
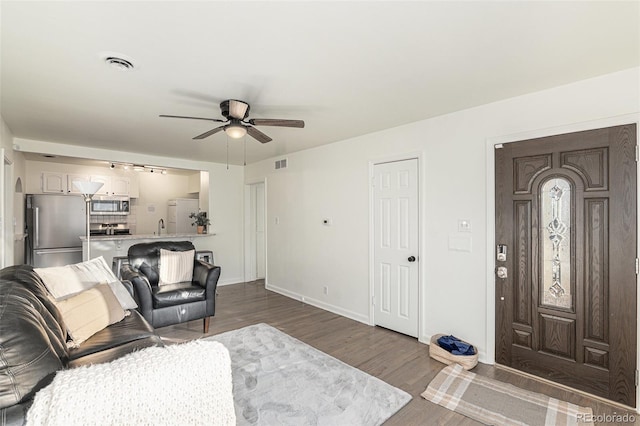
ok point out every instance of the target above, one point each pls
(172, 303)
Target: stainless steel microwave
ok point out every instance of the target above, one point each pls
(102, 205)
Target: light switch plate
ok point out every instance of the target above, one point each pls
(464, 225)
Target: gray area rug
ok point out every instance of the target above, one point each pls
(278, 380)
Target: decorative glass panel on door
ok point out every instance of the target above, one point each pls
(555, 233)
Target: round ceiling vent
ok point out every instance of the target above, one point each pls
(120, 64)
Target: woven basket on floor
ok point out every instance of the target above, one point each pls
(436, 352)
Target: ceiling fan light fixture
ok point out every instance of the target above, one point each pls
(238, 109)
(119, 64)
(235, 131)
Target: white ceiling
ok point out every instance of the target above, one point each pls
(346, 68)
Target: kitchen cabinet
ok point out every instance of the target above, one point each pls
(106, 181)
(120, 186)
(134, 187)
(112, 185)
(60, 183)
(71, 188)
(54, 183)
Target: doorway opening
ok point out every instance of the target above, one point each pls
(255, 232)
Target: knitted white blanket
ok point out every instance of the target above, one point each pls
(188, 383)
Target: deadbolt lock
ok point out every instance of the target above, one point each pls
(501, 253)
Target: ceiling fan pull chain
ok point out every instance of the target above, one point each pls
(245, 149)
(227, 152)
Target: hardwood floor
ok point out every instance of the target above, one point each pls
(395, 358)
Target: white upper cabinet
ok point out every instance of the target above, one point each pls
(113, 185)
(55, 183)
(120, 186)
(60, 183)
(71, 188)
(106, 181)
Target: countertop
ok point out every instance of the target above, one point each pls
(142, 237)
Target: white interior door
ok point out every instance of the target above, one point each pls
(395, 204)
(259, 232)
(255, 237)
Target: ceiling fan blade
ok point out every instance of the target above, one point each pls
(209, 133)
(238, 109)
(276, 122)
(192, 118)
(258, 135)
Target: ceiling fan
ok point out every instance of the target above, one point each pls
(236, 113)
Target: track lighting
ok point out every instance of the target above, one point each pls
(137, 167)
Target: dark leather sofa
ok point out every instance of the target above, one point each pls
(33, 341)
(173, 303)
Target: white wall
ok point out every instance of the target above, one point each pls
(155, 191)
(226, 214)
(333, 181)
(225, 196)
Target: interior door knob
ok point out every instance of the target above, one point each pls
(411, 259)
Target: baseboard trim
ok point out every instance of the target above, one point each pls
(229, 281)
(319, 304)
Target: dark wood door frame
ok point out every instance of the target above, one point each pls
(491, 143)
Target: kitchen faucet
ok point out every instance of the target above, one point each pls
(160, 226)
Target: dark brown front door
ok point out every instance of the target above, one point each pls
(566, 213)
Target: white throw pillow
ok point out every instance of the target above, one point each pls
(90, 311)
(176, 266)
(62, 281)
(66, 281)
(96, 271)
(123, 295)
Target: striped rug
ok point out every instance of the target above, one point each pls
(496, 403)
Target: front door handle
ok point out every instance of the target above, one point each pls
(411, 259)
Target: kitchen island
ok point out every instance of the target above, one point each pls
(110, 246)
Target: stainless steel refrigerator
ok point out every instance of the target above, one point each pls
(54, 224)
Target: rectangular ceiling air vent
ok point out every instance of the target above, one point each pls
(281, 164)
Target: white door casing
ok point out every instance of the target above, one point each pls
(395, 269)
(255, 233)
(3, 209)
(259, 231)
